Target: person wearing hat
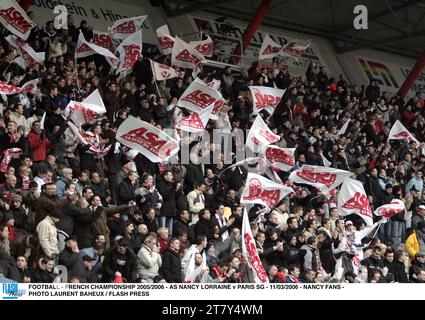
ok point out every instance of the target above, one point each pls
(23, 222)
(71, 259)
(48, 233)
(91, 276)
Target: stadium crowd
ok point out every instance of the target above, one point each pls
(116, 218)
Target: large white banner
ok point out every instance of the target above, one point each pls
(260, 135)
(146, 139)
(353, 199)
(102, 39)
(7, 89)
(129, 51)
(390, 209)
(280, 158)
(323, 178)
(260, 190)
(162, 72)
(399, 132)
(265, 98)
(86, 49)
(90, 109)
(198, 96)
(28, 57)
(124, 28)
(185, 56)
(196, 122)
(14, 19)
(166, 41)
(249, 251)
(204, 47)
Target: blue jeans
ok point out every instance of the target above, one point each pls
(166, 222)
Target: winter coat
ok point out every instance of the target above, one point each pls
(39, 145)
(180, 226)
(48, 235)
(399, 272)
(168, 193)
(126, 192)
(309, 259)
(148, 262)
(126, 264)
(205, 228)
(73, 262)
(412, 245)
(83, 227)
(171, 268)
(70, 212)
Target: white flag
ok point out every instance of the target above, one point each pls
(323, 178)
(129, 51)
(249, 252)
(7, 89)
(14, 19)
(204, 47)
(198, 96)
(326, 162)
(15, 41)
(294, 49)
(344, 127)
(215, 84)
(399, 132)
(123, 28)
(260, 135)
(28, 57)
(390, 209)
(90, 109)
(269, 49)
(260, 190)
(265, 98)
(146, 139)
(102, 39)
(166, 41)
(86, 49)
(280, 158)
(196, 122)
(353, 199)
(185, 56)
(162, 72)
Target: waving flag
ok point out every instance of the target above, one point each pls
(215, 84)
(184, 56)
(198, 96)
(204, 47)
(146, 139)
(8, 89)
(162, 72)
(85, 140)
(249, 251)
(293, 48)
(166, 41)
(29, 58)
(14, 19)
(90, 109)
(260, 135)
(353, 199)
(196, 122)
(323, 178)
(269, 49)
(121, 29)
(265, 98)
(129, 51)
(260, 190)
(390, 209)
(280, 158)
(15, 41)
(344, 128)
(102, 39)
(86, 49)
(399, 132)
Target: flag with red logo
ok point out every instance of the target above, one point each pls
(28, 57)
(166, 41)
(84, 138)
(14, 19)
(250, 253)
(260, 135)
(390, 209)
(399, 132)
(15, 41)
(147, 139)
(86, 49)
(260, 190)
(102, 39)
(30, 86)
(265, 98)
(196, 122)
(269, 49)
(198, 97)
(90, 109)
(323, 178)
(353, 199)
(280, 158)
(8, 155)
(204, 47)
(184, 56)
(123, 28)
(162, 72)
(129, 51)
(215, 84)
(294, 49)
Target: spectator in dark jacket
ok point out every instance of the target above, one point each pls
(168, 188)
(171, 268)
(122, 259)
(71, 259)
(181, 223)
(205, 227)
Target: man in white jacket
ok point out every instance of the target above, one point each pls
(48, 234)
(149, 260)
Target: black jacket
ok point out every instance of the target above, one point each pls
(205, 228)
(168, 192)
(83, 227)
(126, 192)
(69, 213)
(399, 272)
(171, 267)
(87, 160)
(291, 255)
(126, 264)
(180, 226)
(74, 263)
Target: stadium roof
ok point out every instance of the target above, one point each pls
(396, 26)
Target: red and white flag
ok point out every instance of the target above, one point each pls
(129, 51)
(8, 155)
(269, 49)
(166, 41)
(204, 47)
(185, 56)
(280, 158)
(196, 122)
(85, 140)
(399, 132)
(162, 72)
(353, 199)
(86, 49)
(250, 253)
(265, 98)
(198, 97)
(29, 58)
(121, 29)
(102, 39)
(295, 50)
(215, 84)
(14, 19)
(260, 135)
(260, 190)
(15, 41)
(7, 89)
(390, 209)
(323, 178)
(90, 109)
(147, 139)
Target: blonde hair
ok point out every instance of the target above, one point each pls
(24, 169)
(161, 230)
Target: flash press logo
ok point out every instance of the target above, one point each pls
(11, 291)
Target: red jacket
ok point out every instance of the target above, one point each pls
(39, 147)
